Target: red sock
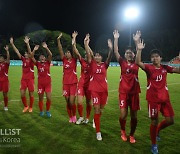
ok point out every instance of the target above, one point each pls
(80, 110)
(97, 122)
(48, 104)
(162, 125)
(24, 101)
(41, 106)
(153, 133)
(133, 126)
(88, 110)
(5, 101)
(122, 123)
(68, 107)
(74, 109)
(31, 101)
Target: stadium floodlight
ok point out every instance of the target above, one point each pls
(130, 14)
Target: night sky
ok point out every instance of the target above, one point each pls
(98, 17)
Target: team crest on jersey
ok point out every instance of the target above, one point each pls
(164, 71)
(67, 66)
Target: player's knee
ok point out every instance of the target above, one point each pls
(154, 121)
(170, 121)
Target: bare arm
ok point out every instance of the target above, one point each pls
(7, 54)
(176, 70)
(137, 37)
(75, 50)
(139, 48)
(14, 48)
(48, 51)
(60, 46)
(88, 49)
(33, 52)
(26, 40)
(116, 36)
(110, 52)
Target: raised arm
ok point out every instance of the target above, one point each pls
(14, 47)
(60, 46)
(86, 45)
(33, 52)
(110, 46)
(116, 36)
(7, 54)
(44, 45)
(75, 50)
(139, 48)
(137, 37)
(26, 40)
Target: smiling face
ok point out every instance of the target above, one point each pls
(26, 55)
(129, 55)
(98, 58)
(68, 54)
(42, 58)
(156, 58)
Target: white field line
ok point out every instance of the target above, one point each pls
(16, 100)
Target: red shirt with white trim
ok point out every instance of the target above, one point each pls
(43, 71)
(27, 68)
(129, 83)
(85, 73)
(69, 71)
(157, 90)
(98, 81)
(4, 67)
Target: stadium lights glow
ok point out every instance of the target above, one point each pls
(131, 13)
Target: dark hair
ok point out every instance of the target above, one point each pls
(70, 50)
(1, 55)
(129, 48)
(156, 51)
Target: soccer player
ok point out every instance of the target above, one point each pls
(129, 88)
(44, 78)
(69, 80)
(98, 82)
(4, 81)
(83, 85)
(157, 94)
(27, 80)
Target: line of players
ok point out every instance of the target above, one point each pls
(93, 83)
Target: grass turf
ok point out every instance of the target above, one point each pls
(57, 135)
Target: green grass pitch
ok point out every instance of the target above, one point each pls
(57, 135)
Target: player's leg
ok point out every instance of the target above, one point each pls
(97, 117)
(5, 89)
(31, 94)
(41, 97)
(73, 89)
(24, 100)
(80, 109)
(153, 109)
(123, 114)
(133, 125)
(168, 113)
(88, 105)
(48, 104)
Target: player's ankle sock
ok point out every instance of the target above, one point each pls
(88, 110)
(97, 122)
(5, 101)
(41, 106)
(122, 123)
(74, 109)
(162, 125)
(153, 133)
(24, 101)
(31, 101)
(80, 110)
(133, 126)
(68, 107)
(48, 105)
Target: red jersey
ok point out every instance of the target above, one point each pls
(27, 68)
(43, 71)
(157, 90)
(85, 73)
(98, 81)
(69, 71)
(4, 67)
(129, 77)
